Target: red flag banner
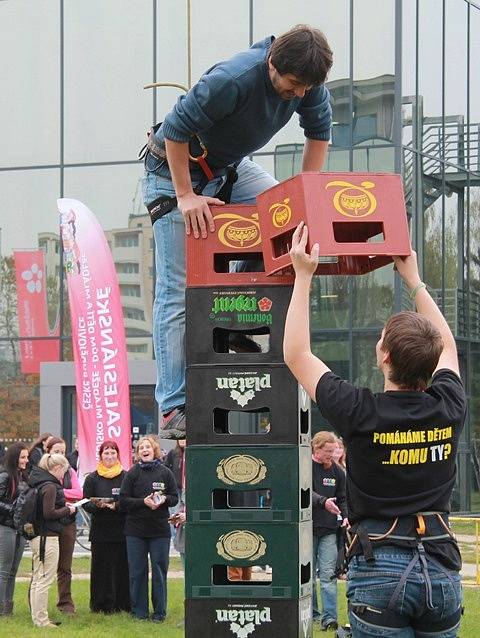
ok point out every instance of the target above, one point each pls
(33, 311)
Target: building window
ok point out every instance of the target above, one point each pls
(137, 347)
(133, 313)
(127, 267)
(150, 272)
(152, 243)
(127, 240)
(130, 290)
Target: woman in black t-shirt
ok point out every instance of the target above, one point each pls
(148, 490)
(109, 585)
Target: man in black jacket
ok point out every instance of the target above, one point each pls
(328, 481)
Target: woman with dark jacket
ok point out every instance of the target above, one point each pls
(12, 544)
(46, 477)
(37, 450)
(147, 491)
(66, 541)
(109, 584)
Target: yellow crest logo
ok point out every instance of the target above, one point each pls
(281, 213)
(352, 200)
(238, 231)
(241, 468)
(241, 544)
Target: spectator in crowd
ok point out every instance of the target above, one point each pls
(328, 481)
(339, 454)
(174, 461)
(72, 458)
(37, 450)
(55, 513)
(2, 456)
(72, 492)
(109, 584)
(12, 544)
(147, 491)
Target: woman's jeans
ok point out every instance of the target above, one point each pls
(374, 584)
(169, 304)
(138, 550)
(12, 545)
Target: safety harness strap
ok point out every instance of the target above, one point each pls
(165, 204)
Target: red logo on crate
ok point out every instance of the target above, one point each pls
(239, 231)
(265, 304)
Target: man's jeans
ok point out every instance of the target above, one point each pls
(169, 305)
(11, 551)
(138, 550)
(374, 585)
(324, 559)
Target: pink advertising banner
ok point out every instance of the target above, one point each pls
(98, 336)
(32, 311)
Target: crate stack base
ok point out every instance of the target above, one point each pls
(248, 564)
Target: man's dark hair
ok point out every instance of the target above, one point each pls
(304, 52)
(414, 345)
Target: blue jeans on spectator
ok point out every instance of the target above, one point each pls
(324, 559)
(11, 551)
(138, 550)
(169, 304)
(374, 584)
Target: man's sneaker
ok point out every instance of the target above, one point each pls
(173, 426)
(331, 625)
(241, 342)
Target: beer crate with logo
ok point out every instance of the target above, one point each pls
(258, 484)
(247, 618)
(215, 316)
(211, 261)
(246, 405)
(359, 220)
(216, 551)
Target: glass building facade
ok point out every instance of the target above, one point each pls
(405, 97)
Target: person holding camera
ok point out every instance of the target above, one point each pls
(147, 491)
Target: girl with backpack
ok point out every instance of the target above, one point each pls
(66, 541)
(12, 543)
(54, 514)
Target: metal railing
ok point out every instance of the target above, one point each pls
(460, 519)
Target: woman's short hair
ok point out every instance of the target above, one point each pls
(108, 445)
(414, 345)
(153, 442)
(50, 461)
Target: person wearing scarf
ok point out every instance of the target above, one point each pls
(109, 580)
(147, 491)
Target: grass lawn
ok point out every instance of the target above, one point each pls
(89, 625)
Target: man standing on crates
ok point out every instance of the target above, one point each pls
(198, 157)
(403, 576)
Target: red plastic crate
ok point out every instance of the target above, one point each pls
(344, 213)
(237, 237)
